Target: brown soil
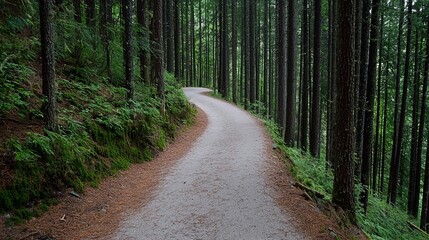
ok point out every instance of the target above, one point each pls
(97, 213)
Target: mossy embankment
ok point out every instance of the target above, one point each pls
(99, 134)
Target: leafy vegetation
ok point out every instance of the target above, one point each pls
(99, 131)
(382, 220)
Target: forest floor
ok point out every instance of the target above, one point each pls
(119, 203)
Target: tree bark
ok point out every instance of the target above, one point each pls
(128, 51)
(397, 149)
(234, 50)
(158, 50)
(170, 35)
(304, 85)
(315, 111)
(281, 61)
(177, 62)
(425, 200)
(343, 128)
(369, 104)
(291, 72)
(265, 56)
(363, 77)
(48, 64)
(143, 54)
(376, 158)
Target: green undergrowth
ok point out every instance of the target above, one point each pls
(382, 220)
(99, 134)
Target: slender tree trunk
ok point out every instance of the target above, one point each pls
(90, 14)
(315, 111)
(177, 61)
(270, 68)
(376, 158)
(170, 35)
(234, 50)
(225, 64)
(304, 86)
(48, 64)
(78, 18)
(331, 80)
(91, 20)
(383, 150)
(281, 61)
(77, 11)
(369, 104)
(193, 72)
(415, 172)
(396, 157)
(158, 51)
(363, 77)
(200, 52)
(265, 56)
(187, 54)
(127, 45)
(358, 35)
(252, 52)
(425, 200)
(291, 72)
(142, 21)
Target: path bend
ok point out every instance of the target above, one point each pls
(218, 189)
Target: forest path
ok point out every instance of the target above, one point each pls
(218, 190)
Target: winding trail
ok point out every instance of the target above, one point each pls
(218, 189)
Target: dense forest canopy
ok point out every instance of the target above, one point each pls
(345, 81)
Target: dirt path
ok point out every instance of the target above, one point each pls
(217, 190)
(220, 179)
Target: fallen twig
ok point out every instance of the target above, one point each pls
(314, 192)
(28, 235)
(412, 226)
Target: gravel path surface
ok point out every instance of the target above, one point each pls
(218, 189)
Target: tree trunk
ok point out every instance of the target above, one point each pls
(369, 104)
(77, 11)
(281, 61)
(90, 14)
(188, 81)
(192, 42)
(170, 35)
(343, 128)
(383, 148)
(375, 166)
(177, 72)
(291, 81)
(415, 166)
(304, 86)
(363, 77)
(157, 50)
(127, 45)
(315, 111)
(252, 53)
(48, 64)
(265, 56)
(397, 149)
(225, 63)
(425, 200)
(142, 21)
(234, 50)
